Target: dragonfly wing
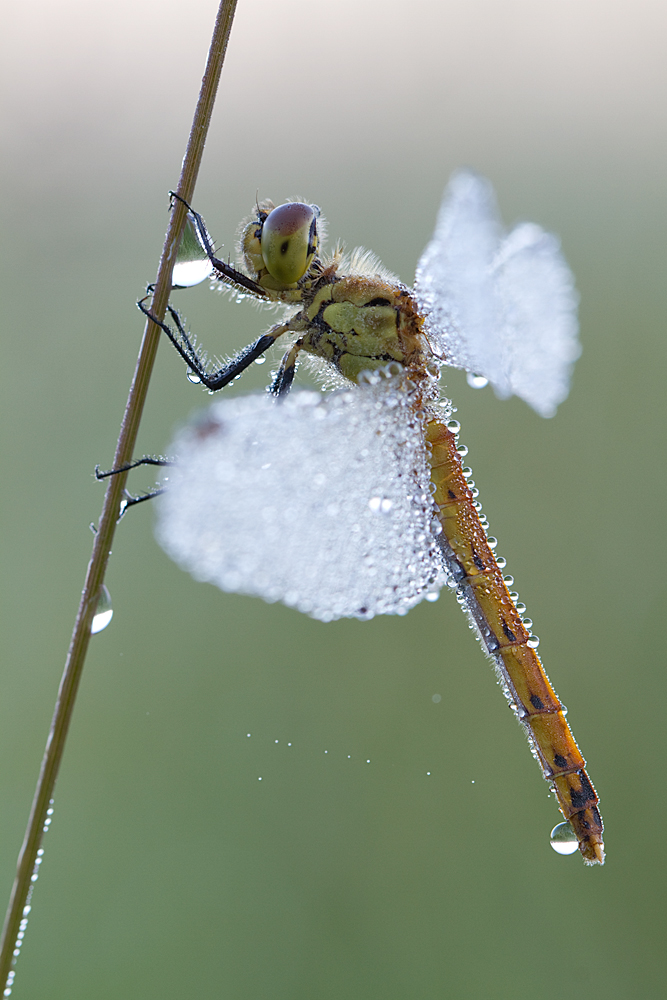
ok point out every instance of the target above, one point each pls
(500, 306)
(321, 502)
(537, 318)
(454, 282)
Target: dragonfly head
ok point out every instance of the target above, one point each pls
(279, 244)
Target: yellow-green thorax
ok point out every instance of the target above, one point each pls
(359, 322)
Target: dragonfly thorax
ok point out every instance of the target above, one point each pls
(359, 322)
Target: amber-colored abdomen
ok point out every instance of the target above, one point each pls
(471, 562)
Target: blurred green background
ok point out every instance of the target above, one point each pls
(170, 869)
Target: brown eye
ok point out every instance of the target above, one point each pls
(289, 241)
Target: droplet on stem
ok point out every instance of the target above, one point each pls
(103, 612)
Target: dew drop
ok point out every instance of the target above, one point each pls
(563, 839)
(260, 360)
(103, 612)
(476, 381)
(192, 377)
(191, 272)
(433, 595)
(532, 642)
(501, 562)
(454, 426)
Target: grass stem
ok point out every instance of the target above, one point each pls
(69, 684)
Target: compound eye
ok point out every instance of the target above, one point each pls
(289, 241)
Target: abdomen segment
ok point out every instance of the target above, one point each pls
(484, 594)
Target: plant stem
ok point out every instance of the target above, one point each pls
(69, 684)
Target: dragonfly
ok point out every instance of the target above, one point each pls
(355, 500)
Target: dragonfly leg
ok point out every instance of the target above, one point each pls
(224, 271)
(146, 460)
(282, 383)
(129, 500)
(196, 360)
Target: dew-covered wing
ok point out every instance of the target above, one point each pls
(500, 306)
(454, 280)
(321, 502)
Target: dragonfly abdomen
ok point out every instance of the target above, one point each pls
(485, 596)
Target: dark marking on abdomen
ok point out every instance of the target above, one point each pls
(580, 797)
(509, 634)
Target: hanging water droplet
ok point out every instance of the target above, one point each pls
(191, 272)
(563, 839)
(476, 381)
(433, 595)
(192, 265)
(454, 426)
(192, 377)
(532, 642)
(260, 360)
(103, 612)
